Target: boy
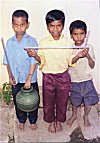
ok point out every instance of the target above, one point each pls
(54, 64)
(82, 88)
(23, 67)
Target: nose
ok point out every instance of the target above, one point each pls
(55, 28)
(78, 36)
(18, 27)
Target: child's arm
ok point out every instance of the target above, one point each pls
(11, 79)
(32, 53)
(31, 72)
(81, 54)
(90, 61)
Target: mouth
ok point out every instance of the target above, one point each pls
(79, 41)
(19, 33)
(55, 33)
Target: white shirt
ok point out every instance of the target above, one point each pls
(82, 71)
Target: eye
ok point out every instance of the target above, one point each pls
(82, 33)
(51, 25)
(15, 25)
(74, 34)
(59, 25)
(22, 25)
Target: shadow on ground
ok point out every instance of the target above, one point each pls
(77, 137)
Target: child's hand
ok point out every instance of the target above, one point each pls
(83, 53)
(31, 52)
(12, 82)
(27, 84)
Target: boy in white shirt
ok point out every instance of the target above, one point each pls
(82, 88)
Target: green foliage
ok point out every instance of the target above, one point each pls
(6, 93)
(0, 94)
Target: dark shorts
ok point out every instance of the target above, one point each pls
(21, 115)
(83, 92)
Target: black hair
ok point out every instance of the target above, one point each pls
(20, 13)
(78, 24)
(55, 15)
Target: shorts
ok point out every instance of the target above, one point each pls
(83, 92)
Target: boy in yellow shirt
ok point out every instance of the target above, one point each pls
(54, 62)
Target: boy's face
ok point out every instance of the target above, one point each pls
(55, 29)
(78, 36)
(20, 25)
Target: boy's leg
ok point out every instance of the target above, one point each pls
(90, 98)
(33, 115)
(49, 101)
(76, 100)
(62, 94)
(21, 115)
(85, 116)
(73, 116)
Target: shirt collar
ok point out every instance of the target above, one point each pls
(51, 38)
(83, 45)
(25, 36)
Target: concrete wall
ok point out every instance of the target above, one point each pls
(87, 10)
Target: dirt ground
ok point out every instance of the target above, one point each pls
(9, 132)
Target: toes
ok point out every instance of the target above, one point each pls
(51, 128)
(33, 126)
(21, 126)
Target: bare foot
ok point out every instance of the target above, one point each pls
(58, 127)
(52, 128)
(33, 126)
(86, 121)
(71, 120)
(21, 126)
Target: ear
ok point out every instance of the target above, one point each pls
(63, 28)
(71, 36)
(28, 24)
(12, 26)
(47, 27)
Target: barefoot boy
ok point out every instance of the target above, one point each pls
(82, 88)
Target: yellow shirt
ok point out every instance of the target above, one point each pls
(55, 60)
